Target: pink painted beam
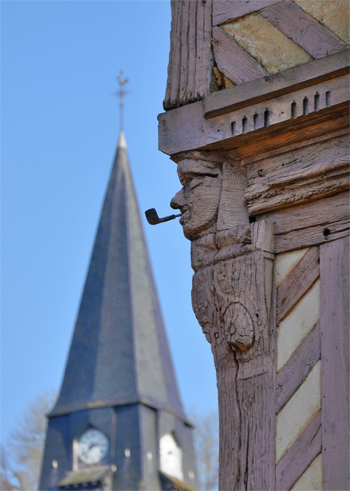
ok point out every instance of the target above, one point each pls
(303, 29)
(335, 378)
(235, 63)
(225, 11)
(189, 58)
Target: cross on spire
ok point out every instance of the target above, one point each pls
(121, 94)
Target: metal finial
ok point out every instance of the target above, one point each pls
(121, 93)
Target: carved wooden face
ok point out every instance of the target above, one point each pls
(199, 198)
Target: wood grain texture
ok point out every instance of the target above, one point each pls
(284, 135)
(189, 59)
(326, 180)
(297, 283)
(252, 421)
(231, 298)
(235, 63)
(298, 458)
(247, 436)
(203, 54)
(311, 236)
(317, 223)
(303, 29)
(186, 33)
(276, 85)
(226, 10)
(317, 213)
(174, 65)
(294, 147)
(304, 174)
(185, 129)
(298, 367)
(334, 326)
(232, 210)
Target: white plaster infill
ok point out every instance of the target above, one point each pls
(298, 324)
(298, 412)
(286, 262)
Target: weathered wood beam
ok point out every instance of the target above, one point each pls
(327, 139)
(320, 212)
(288, 134)
(298, 458)
(310, 224)
(325, 180)
(228, 10)
(232, 297)
(189, 59)
(235, 63)
(312, 236)
(298, 367)
(335, 348)
(303, 29)
(297, 283)
(315, 171)
(185, 129)
(278, 84)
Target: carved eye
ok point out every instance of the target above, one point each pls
(196, 181)
(186, 179)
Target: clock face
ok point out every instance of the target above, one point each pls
(93, 446)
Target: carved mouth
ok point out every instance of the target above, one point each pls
(185, 215)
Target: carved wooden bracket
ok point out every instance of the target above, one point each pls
(232, 288)
(232, 299)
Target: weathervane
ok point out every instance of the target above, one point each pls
(121, 93)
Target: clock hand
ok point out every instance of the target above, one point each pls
(87, 450)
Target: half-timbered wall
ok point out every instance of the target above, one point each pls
(216, 44)
(257, 120)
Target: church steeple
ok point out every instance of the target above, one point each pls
(119, 378)
(119, 353)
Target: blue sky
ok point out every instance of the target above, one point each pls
(59, 129)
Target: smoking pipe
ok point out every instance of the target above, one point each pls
(153, 218)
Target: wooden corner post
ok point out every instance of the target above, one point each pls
(232, 299)
(259, 132)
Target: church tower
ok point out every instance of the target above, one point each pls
(119, 423)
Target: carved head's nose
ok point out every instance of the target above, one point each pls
(178, 200)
